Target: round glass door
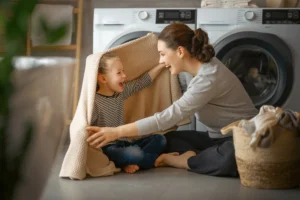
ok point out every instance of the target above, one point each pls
(256, 69)
(262, 62)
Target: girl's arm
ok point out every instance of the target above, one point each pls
(156, 70)
(141, 82)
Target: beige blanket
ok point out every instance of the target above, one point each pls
(137, 56)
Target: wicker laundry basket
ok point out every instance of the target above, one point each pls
(276, 167)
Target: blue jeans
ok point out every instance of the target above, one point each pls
(142, 152)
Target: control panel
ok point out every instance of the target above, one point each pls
(167, 16)
(281, 16)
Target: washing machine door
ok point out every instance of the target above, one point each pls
(129, 37)
(262, 62)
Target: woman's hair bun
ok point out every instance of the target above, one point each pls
(201, 48)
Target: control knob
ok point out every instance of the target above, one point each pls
(143, 15)
(249, 15)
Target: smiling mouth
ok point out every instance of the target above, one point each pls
(168, 66)
(121, 84)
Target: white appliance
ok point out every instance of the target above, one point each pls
(262, 47)
(115, 26)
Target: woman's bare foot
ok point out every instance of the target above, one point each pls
(131, 168)
(174, 160)
(159, 162)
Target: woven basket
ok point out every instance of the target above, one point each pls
(276, 167)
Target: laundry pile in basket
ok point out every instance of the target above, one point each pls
(267, 148)
(260, 127)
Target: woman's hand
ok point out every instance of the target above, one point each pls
(100, 136)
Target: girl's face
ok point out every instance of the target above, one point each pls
(169, 57)
(115, 76)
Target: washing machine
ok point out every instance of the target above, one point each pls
(262, 47)
(115, 26)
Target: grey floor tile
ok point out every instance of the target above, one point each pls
(156, 184)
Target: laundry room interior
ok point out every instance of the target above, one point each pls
(50, 138)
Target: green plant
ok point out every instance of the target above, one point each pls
(14, 20)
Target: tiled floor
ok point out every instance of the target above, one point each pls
(156, 184)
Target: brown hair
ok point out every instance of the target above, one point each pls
(102, 67)
(196, 43)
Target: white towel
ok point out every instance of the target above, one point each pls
(80, 158)
(224, 3)
(211, 4)
(258, 126)
(54, 16)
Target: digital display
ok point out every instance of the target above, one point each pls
(281, 16)
(172, 15)
(278, 15)
(168, 16)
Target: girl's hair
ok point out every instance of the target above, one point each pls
(102, 67)
(195, 42)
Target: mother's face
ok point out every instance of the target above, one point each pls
(169, 57)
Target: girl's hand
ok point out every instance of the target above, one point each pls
(100, 136)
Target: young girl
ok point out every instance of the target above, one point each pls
(108, 111)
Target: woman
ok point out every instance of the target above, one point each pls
(215, 95)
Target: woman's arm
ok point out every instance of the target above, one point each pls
(198, 95)
(100, 136)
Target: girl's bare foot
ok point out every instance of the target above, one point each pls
(159, 162)
(131, 168)
(174, 160)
